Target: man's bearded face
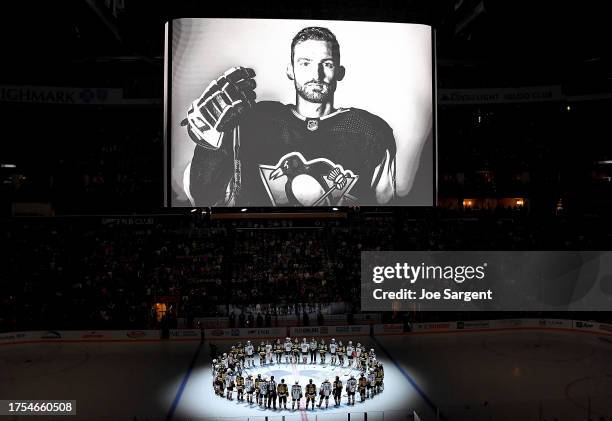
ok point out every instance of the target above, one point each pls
(315, 71)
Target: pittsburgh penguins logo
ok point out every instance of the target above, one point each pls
(293, 181)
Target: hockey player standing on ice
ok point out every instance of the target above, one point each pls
(249, 350)
(363, 385)
(282, 394)
(378, 374)
(363, 359)
(288, 347)
(250, 388)
(262, 353)
(358, 356)
(269, 349)
(324, 392)
(296, 395)
(337, 390)
(351, 387)
(296, 351)
(322, 351)
(258, 382)
(340, 352)
(219, 386)
(278, 350)
(271, 393)
(333, 347)
(230, 383)
(240, 387)
(263, 390)
(313, 351)
(350, 353)
(371, 383)
(305, 347)
(311, 393)
(348, 153)
(240, 355)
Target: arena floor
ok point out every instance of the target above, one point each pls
(518, 375)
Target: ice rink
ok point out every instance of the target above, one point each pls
(514, 375)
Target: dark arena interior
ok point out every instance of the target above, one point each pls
(324, 210)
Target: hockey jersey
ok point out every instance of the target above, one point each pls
(311, 389)
(326, 388)
(343, 158)
(351, 385)
(296, 392)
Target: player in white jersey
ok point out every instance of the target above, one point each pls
(231, 378)
(313, 351)
(250, 354)
(358, 352)
(296, 395)
(350, 353)
(249, 385)
(263, 388)
(269, 353)
(305, 346)
(288, 346)
(371, 383)
(324, 392)
(333, 347)
(351, 387)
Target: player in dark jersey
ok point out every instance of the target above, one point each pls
(307, 154)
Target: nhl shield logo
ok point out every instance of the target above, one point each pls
(312, 125)
(294, 181)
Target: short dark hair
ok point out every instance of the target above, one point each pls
(318, 34)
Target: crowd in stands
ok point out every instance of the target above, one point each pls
(104, 272)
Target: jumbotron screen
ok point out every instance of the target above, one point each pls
(282, 113)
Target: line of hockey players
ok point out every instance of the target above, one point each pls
(289, 352)
(228, 375)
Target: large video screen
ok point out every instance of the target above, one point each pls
(280, 113)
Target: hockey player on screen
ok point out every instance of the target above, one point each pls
(311, 393)
(288, 347)
(333, 347)
(363, 385)
(337, 390)
(304, 154)
(249, 351)
(249, 385)
(340, 352)
(322, 351)
(351, 387)
(296, 395)
(278, 351)
(313, 351)
(305, 346)
(282, 391)
(324, 392)
(350, 353)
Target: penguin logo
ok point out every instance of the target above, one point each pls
(294, 181)
(312, 125)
